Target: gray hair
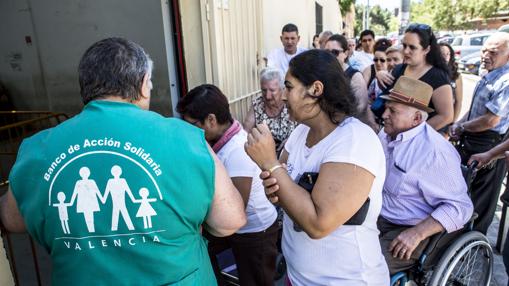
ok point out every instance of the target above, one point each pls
(270, 73)
(113, 67)
(503, 36)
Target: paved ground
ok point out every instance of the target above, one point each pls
(499, 274)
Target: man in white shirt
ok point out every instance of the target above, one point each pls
(364, 58)
(280, 57)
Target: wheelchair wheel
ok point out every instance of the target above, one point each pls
(467, 261)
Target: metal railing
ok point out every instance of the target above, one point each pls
(21, 249)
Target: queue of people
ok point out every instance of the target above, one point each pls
(361, 199)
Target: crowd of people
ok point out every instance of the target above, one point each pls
(351, 145)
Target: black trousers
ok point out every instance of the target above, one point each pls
(255, 255)
(485, 188)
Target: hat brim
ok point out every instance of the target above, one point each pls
(416, 105)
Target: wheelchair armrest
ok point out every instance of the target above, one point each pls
(433, 241)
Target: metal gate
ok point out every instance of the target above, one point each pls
(233, 44)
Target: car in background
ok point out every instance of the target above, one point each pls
(504, 28)
(468, 44)
(470, 63)
(447, 40)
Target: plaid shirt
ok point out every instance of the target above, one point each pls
(492, 94)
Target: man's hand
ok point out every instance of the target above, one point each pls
(405, 243)
(456, 130)
(484, 159)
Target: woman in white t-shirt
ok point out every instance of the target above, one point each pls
(321, 242)
(254, 245)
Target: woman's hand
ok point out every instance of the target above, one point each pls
(260, 146)
(271, 186)
(384, 78)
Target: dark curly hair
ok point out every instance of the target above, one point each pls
(381, 45)
(319, 65)
(452, 64)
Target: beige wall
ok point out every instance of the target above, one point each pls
(192, 35)
(5, 270)
(301, 13)
(225, 40)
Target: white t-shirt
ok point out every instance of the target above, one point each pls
(260, 213)
(350, 255)
(278, 58)
(360, 60)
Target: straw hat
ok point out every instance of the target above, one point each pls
(411, 92)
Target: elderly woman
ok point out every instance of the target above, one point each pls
(270, 108)
(330, 235)
(254, 245)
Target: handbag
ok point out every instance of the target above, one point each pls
(308, 180)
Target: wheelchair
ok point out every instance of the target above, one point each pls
(464, 257)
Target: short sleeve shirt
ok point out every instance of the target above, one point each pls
(492, 94)
(260, 213)
(350, 255)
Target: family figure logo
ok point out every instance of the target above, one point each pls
(86, 196)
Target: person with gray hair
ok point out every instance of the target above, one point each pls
(116, 143)
(485, 126)
(420, 164)
(270, 108)
(323, 38)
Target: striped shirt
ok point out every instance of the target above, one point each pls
(424, 178)
(492, 94)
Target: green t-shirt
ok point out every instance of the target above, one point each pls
(117, 196)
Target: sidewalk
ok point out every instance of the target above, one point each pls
(499, 277)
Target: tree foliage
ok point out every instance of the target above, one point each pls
(454, 14)
(381, 21)
(345, 5)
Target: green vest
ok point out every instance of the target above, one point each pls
(117, 195)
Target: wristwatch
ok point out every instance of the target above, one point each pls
(461, 128)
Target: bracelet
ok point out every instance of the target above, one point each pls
(274, 168)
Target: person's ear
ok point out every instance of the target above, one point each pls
(417, 118)
(316, 89)
(281, 38)
(211, 120)
(146, 86)
(426, 50)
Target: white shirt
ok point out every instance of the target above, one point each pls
(260, 213)
(278, 58)
(350, 255)
(360, 60)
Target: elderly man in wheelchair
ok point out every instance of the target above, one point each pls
(425, 195)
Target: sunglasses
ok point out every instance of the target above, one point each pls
(379, 60)
(335, 52)
(422, 27)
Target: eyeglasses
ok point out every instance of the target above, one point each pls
(335, 52)
(379, 60)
